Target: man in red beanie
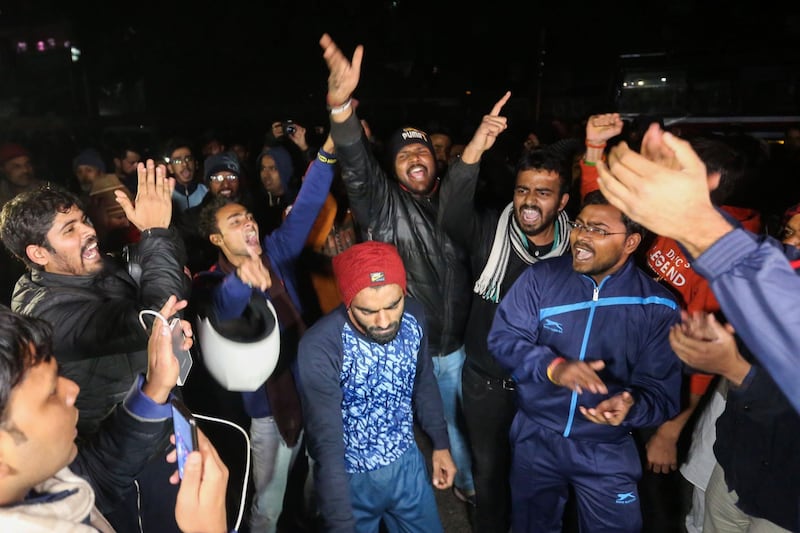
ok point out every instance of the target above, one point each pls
(366, 377)
(398, 202)
(16, 172)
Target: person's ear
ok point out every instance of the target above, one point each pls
(216, 239)
(632, 242)
(713, 180)
(38, 254)
(564, 201)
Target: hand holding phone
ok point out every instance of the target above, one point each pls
(183, 356)
(185, 429)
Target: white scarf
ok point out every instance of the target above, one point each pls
(507, 235)
(65, 515)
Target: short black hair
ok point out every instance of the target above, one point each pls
(207, 220)
(548, 160)
(596, 198)
(27, 218)
(25, 341)
(720, 156)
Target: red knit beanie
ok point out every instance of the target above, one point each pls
(789, 213)
(367, 264)
(9, 151)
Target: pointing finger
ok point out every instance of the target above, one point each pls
(500, 103)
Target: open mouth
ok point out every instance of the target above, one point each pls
(251, 238)
(582, 253)
(417, 173)
(530, 215)
(90, 252)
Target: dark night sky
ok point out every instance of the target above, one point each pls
(260, 59)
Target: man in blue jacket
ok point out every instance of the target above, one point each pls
(250, 268)
(585, 337)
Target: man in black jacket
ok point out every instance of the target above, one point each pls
(93, 304)
(403, 211)
(501, 245)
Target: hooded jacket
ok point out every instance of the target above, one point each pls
(438, 270)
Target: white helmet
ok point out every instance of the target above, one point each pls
(241, 353)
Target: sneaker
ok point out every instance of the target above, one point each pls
(466, 497)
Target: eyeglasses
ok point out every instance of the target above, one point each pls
(788, 232)
(185, 160)
(594, 231)
(219, 178)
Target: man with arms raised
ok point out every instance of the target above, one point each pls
(532, 227)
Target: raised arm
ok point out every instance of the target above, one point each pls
(343, 77)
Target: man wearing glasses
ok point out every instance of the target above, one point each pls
(182, 166)
(586, 340)
(222, 174)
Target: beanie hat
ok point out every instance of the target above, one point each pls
(9, 151)
(90, 157)
(405, 136)
(219, 162)
(367, 264)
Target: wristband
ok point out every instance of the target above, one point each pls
(326, 157)
(598, 146)
(590, 163)
(552, 366)
(335, 110)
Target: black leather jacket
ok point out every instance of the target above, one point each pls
(97, 338)
(437, 269)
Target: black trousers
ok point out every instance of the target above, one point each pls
(489, 406)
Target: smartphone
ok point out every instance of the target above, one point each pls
(183, 356)
(185, 429)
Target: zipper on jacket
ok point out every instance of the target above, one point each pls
(573, 403)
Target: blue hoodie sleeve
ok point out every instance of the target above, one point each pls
(513, 337)
(230, 297)
(758, 291)
(287, 242)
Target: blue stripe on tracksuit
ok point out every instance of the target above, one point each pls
(593, 304)
(553, 311)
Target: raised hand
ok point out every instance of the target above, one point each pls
(162, 366)
(343, 74)
(600, 128)
(153, 205)
(485, 136)
(669, 202)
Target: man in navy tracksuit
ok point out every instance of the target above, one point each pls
(586, 339)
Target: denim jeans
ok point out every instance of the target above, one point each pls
(272, 462)
(447, 369)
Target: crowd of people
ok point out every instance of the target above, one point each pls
(593, 332)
